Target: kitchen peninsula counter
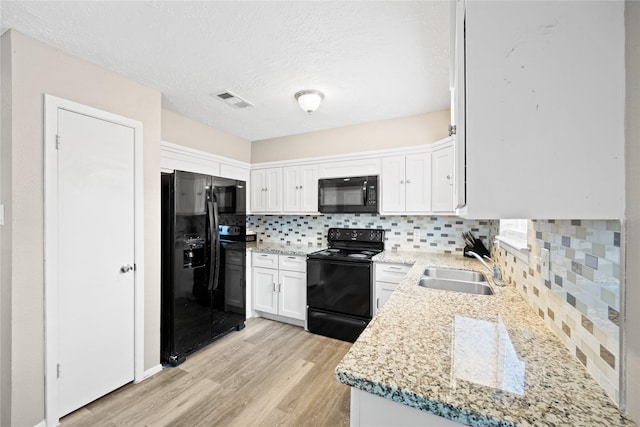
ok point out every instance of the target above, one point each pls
(480, 360)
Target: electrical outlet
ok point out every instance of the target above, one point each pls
(545, 262)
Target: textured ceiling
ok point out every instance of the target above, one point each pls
(372, 59)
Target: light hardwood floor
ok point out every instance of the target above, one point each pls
(268, 374)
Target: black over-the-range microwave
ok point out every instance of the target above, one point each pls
(357, 194)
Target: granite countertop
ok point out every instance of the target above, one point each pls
(282, 249)
(475, 359)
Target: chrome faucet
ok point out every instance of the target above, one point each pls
(495, 270)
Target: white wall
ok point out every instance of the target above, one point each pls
(37, 69)
(632, 157)
(413, 130)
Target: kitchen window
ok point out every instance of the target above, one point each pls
(513, 237)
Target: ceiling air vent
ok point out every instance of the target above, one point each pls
(233, 100)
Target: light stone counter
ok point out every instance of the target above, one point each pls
(478, 360)
(282, 249)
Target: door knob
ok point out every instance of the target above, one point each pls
(126, 268)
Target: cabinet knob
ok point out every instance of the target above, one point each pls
(301, 187)
(408, 182)
(401, 181)
(448, 176)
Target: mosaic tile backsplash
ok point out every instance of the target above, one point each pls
(440, 234)
(580, 302)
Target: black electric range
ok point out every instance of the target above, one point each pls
(340, 283)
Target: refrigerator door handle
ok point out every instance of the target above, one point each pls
(216, 234)
(213, 271)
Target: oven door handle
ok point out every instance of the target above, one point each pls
(363, 263)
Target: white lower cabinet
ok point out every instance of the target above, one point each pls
(387, 276)
(280, 287)
(264, 290)
(292, 294)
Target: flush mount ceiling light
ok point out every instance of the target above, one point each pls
(309, 100)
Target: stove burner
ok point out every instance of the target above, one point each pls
(333, 250)
(362, 255)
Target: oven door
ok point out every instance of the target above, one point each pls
(348, 195)
(340, 286)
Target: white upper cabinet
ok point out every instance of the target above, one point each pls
(266, 190)
(300, 188)
(349, 167)
(541, 121)
(392, 184)
(406, 183)
(442, 190)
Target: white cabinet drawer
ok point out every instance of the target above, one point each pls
(292, 263)
(391, 273)
(264, 260)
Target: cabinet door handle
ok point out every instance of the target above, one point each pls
(274, 287)
(395, 268)
(279, 287)
(377, 302)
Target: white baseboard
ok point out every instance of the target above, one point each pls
(150, 372)
(42, 423)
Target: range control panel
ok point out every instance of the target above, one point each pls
(356, 235)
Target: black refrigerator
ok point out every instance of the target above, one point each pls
(203, 261)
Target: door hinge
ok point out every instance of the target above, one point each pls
(452, 130)
(58, 370)
(57, 142)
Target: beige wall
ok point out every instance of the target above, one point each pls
(5, 233)
(414, 130)
(632, 159)
(38, 69)
(190, 133)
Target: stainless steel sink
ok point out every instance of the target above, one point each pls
(456, 286)
(448, 279)
(454, 274)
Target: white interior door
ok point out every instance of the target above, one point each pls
(95, 250)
